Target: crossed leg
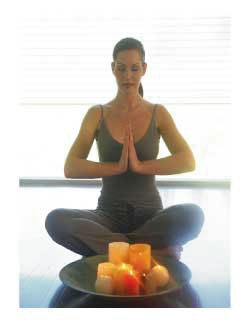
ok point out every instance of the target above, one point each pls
(171, 228)
(85, 232)
(88, 232)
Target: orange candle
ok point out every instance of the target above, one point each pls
(119, 285)
(131, 284)
(118, 252)
(140, 257)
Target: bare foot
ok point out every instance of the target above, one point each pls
(174, 251)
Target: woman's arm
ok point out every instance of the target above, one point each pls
(76, 164)
(181, 159)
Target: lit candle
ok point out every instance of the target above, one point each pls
(160, 274)
(118, 252)
(106, 269)
(104, 284)
(140, 257)
(131, 284)
(119, 284)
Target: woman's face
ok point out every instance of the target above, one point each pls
(128, 70)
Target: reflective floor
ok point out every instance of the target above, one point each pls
(208, 257)
(66, 297)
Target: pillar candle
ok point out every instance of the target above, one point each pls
(140, 257)
(106, 268)
(118, 252)
(104, 284)
(131, 284)
(119, 284)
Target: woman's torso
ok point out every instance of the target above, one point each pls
(137, 189)
(115, 121)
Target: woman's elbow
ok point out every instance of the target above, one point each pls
(191, 164)
(66, 175)
(67, 172)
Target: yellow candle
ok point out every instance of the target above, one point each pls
(106, 269)
(140, 257)
(118, 252)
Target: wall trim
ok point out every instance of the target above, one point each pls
(171, 183)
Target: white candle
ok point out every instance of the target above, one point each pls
(160, 274)
(104, 284)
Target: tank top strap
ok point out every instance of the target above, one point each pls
(154, 109)
(102, 112)
(154, 114)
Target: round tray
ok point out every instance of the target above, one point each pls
(81, 275)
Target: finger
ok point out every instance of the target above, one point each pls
(131, 137)
(128, 128)
(127, 139)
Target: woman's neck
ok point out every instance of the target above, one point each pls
(127, 103)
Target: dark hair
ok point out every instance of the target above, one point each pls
(127, 44)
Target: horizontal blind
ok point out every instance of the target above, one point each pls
(68, 61)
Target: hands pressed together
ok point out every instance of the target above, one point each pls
(129, 156)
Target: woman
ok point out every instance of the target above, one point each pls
(127, 130)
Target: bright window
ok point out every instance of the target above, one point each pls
(65, 69)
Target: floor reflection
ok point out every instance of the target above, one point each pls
(65, 297)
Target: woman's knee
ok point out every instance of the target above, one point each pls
(54, 221)
(188, 211)
(197, 213)
(189, 215)
(196, 218)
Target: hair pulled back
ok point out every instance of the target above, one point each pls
(129, 43)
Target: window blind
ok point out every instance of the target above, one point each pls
(68, 61)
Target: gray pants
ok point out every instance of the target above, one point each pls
(88, 232)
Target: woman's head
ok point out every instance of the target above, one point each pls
(129, 63)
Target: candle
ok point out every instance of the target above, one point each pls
(104, 284)
(106, 269)
(119, 284)
(140, 257)
(160, 274)
(118, 252)
(150, 283)
(131, 284)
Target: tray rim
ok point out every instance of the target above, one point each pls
(144, 296)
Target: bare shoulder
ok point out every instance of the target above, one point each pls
(92, 116)
(163, 116)
(94, 111)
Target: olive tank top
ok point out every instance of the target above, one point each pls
(137, 189)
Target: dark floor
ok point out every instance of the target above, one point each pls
(208, 257)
